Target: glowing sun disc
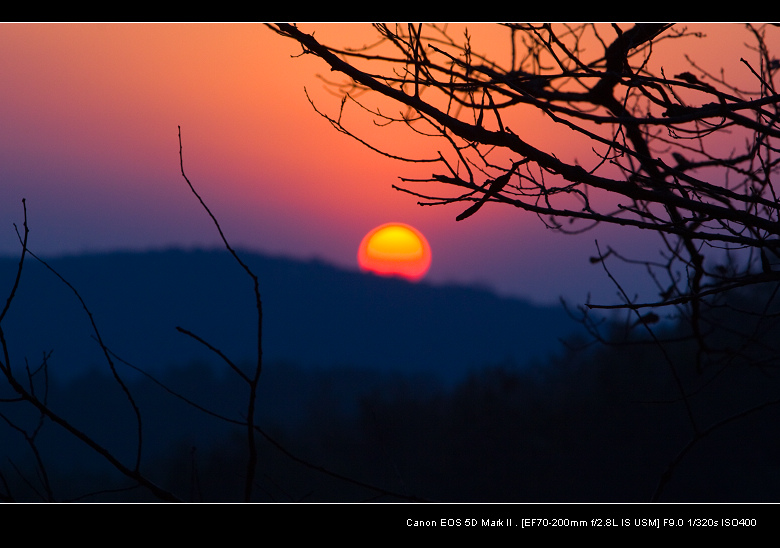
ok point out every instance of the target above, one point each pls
(395, 249)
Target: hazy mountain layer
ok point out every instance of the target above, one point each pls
(314, 315)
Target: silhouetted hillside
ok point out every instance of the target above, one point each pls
(315, 315)
(600, 424)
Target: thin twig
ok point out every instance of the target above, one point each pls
(252, 381)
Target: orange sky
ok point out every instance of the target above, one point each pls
(89, 117)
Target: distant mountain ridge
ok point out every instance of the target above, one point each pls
(315, 315)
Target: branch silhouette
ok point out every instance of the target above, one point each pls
(252, 381)
(32, 390)
(41, 405)
(653, 155)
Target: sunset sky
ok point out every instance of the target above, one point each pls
(89, 116)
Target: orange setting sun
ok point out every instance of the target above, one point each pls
(395, 249)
